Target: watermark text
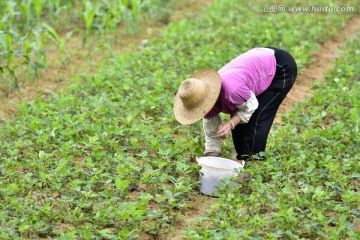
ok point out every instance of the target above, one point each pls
(276, 8)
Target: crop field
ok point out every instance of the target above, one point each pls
(104, 158)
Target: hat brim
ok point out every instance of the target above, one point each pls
(185, 115)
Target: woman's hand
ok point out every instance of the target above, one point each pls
(224, 130)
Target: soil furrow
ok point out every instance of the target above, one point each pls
(316, 71)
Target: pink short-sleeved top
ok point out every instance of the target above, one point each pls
(253, 71)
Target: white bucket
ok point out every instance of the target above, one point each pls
(213, 170)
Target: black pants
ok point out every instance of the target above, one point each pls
(250, 139)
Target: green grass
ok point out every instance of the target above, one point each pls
(106, 158)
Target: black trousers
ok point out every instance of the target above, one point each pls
(250, 139)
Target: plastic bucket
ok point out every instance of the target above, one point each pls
(213, 170)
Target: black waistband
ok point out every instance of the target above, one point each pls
(277, 52)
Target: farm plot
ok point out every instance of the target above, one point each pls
(106, 158)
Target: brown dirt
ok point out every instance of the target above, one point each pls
(199, 205)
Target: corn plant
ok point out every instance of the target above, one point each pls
(35, 55)
(9, 13)
(60, 42)
(38, 6)
(8, 62)
(87, 15)
(25, 14)
(133, 14)
(20, 53)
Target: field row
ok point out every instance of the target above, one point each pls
(106, 158)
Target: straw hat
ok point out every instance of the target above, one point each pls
(196, 96)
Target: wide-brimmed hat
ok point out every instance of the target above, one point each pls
(196, 96)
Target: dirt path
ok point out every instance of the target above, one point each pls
(323, 62)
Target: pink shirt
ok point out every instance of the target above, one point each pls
(251, 71)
